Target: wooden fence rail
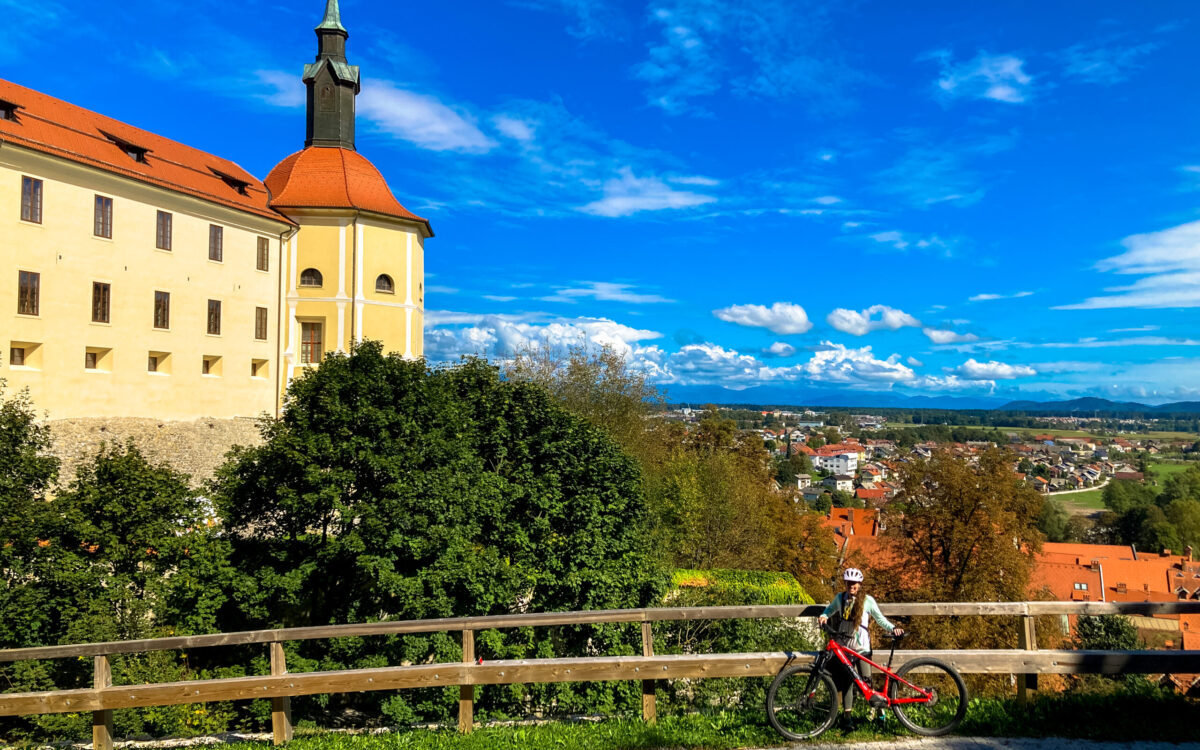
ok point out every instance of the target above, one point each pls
(279, 686)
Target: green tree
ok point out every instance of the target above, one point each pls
(1184, 485)
(1122, 495)
(26, 473)
(391, 490)
(960, 532)
(1106, 633)
(1054, 520)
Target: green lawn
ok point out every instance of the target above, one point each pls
(1163, 471)
(1142, 714)
(1092, 499)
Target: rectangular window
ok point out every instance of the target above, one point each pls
(89, 360)
(211, 366)
(214, 317)
(216, 242)
(310, 343)
(31, 200)
(162, 310)
(16, 356)
(29, 287)
(206, 366)
(152, 364)
(162, 236)
(104, 217)
(260, 323)
(264, 254)
(100, 301)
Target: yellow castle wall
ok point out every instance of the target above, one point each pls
(69, 258)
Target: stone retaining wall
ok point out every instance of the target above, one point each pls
(195, 448)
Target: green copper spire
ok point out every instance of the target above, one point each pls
(332, 84)
(333, 18)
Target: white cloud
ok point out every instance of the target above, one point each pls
(284, 89)
(779, 349)
(1139, 329)
(990, 297)
(605, 291)
(420, 119)
(629, 194)
(945, 336)
(514, 127)
(781, 317)
(1094, 343)
(770, 48)
(502, 336)
(498, 298)
(1170, 262)
(1103, 65)
(993, 370)
(1001, 78)
(903, 241)
(593, 18)
(827, 200)
(951, 383)
(861, 323)
(913, 361)
(838, 364)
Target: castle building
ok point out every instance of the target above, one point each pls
(145, 278)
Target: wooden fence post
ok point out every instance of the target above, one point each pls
(281, 708)
(649, 711)
(466, 693)
(102, 721)
(1027, 641)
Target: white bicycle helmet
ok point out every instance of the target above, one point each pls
(852, 575)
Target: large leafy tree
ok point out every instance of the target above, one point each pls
(26, 474)
(388, 490)
(960, 532)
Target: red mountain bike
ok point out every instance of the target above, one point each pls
(928, 696)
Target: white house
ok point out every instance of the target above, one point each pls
(841, 463)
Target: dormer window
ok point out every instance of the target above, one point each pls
(8, 111)
(233, 182)
(132, 150)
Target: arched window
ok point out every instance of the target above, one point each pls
(384, 284)
(311, 277)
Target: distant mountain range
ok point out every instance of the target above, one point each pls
(783, 396)
(1102, 405)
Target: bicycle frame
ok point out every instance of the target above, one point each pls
(844, 655)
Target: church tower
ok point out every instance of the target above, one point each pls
(356, 265)
(332, 85)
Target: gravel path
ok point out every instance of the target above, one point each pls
(993, 743)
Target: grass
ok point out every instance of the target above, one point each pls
(1156, 435)
(1091, 499)
(1161, 471)
(1143, 714)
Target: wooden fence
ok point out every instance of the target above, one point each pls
(103, 697)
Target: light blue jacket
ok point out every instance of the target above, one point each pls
(862, 638)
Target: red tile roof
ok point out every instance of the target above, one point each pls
(333, 178)
(52, 126)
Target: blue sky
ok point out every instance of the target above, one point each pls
(939, 198)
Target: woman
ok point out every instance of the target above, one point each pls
(853, 607)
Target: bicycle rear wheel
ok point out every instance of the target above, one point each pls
(800, 708)
(947, 703)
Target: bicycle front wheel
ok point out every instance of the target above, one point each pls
(941, 697)
(802, 703)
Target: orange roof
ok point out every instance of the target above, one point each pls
(876, 494)
(1061, 578)
(52, 126)
(323, 177)
(1089, 552)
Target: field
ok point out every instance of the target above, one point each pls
(1089, 500)
(1072, 433)
(1162, 471)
